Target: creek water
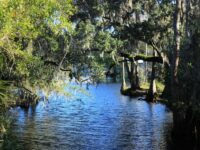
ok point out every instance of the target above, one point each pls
(103, 120)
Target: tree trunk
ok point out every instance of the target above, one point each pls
(135, 71)
(167, 89)
(114, 77)
(133, 77)
(187, 9)
(123, 86)
(176, 51)
(152, 88)
(137, 84)
(146, 65)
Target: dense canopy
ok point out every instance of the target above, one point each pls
(44, 43)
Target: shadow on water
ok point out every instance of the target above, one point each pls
(106, 120)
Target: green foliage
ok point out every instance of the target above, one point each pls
(84, 35)
(3, 94)
(105, 42)
(21, 23)
(160, 86)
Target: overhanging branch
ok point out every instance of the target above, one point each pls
(130, 57)
(48, 62)
(149, 58)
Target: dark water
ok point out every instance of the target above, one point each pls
(103, 121)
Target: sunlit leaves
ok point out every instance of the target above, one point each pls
(21, 23)
(24, 17)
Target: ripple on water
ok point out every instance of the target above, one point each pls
(104, 121)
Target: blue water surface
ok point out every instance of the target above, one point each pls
(98, 119)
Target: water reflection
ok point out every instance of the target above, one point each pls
(104, 121)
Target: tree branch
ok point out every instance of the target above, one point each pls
(48, 62)
(149, 58)
(157, 59)
(156, 48)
